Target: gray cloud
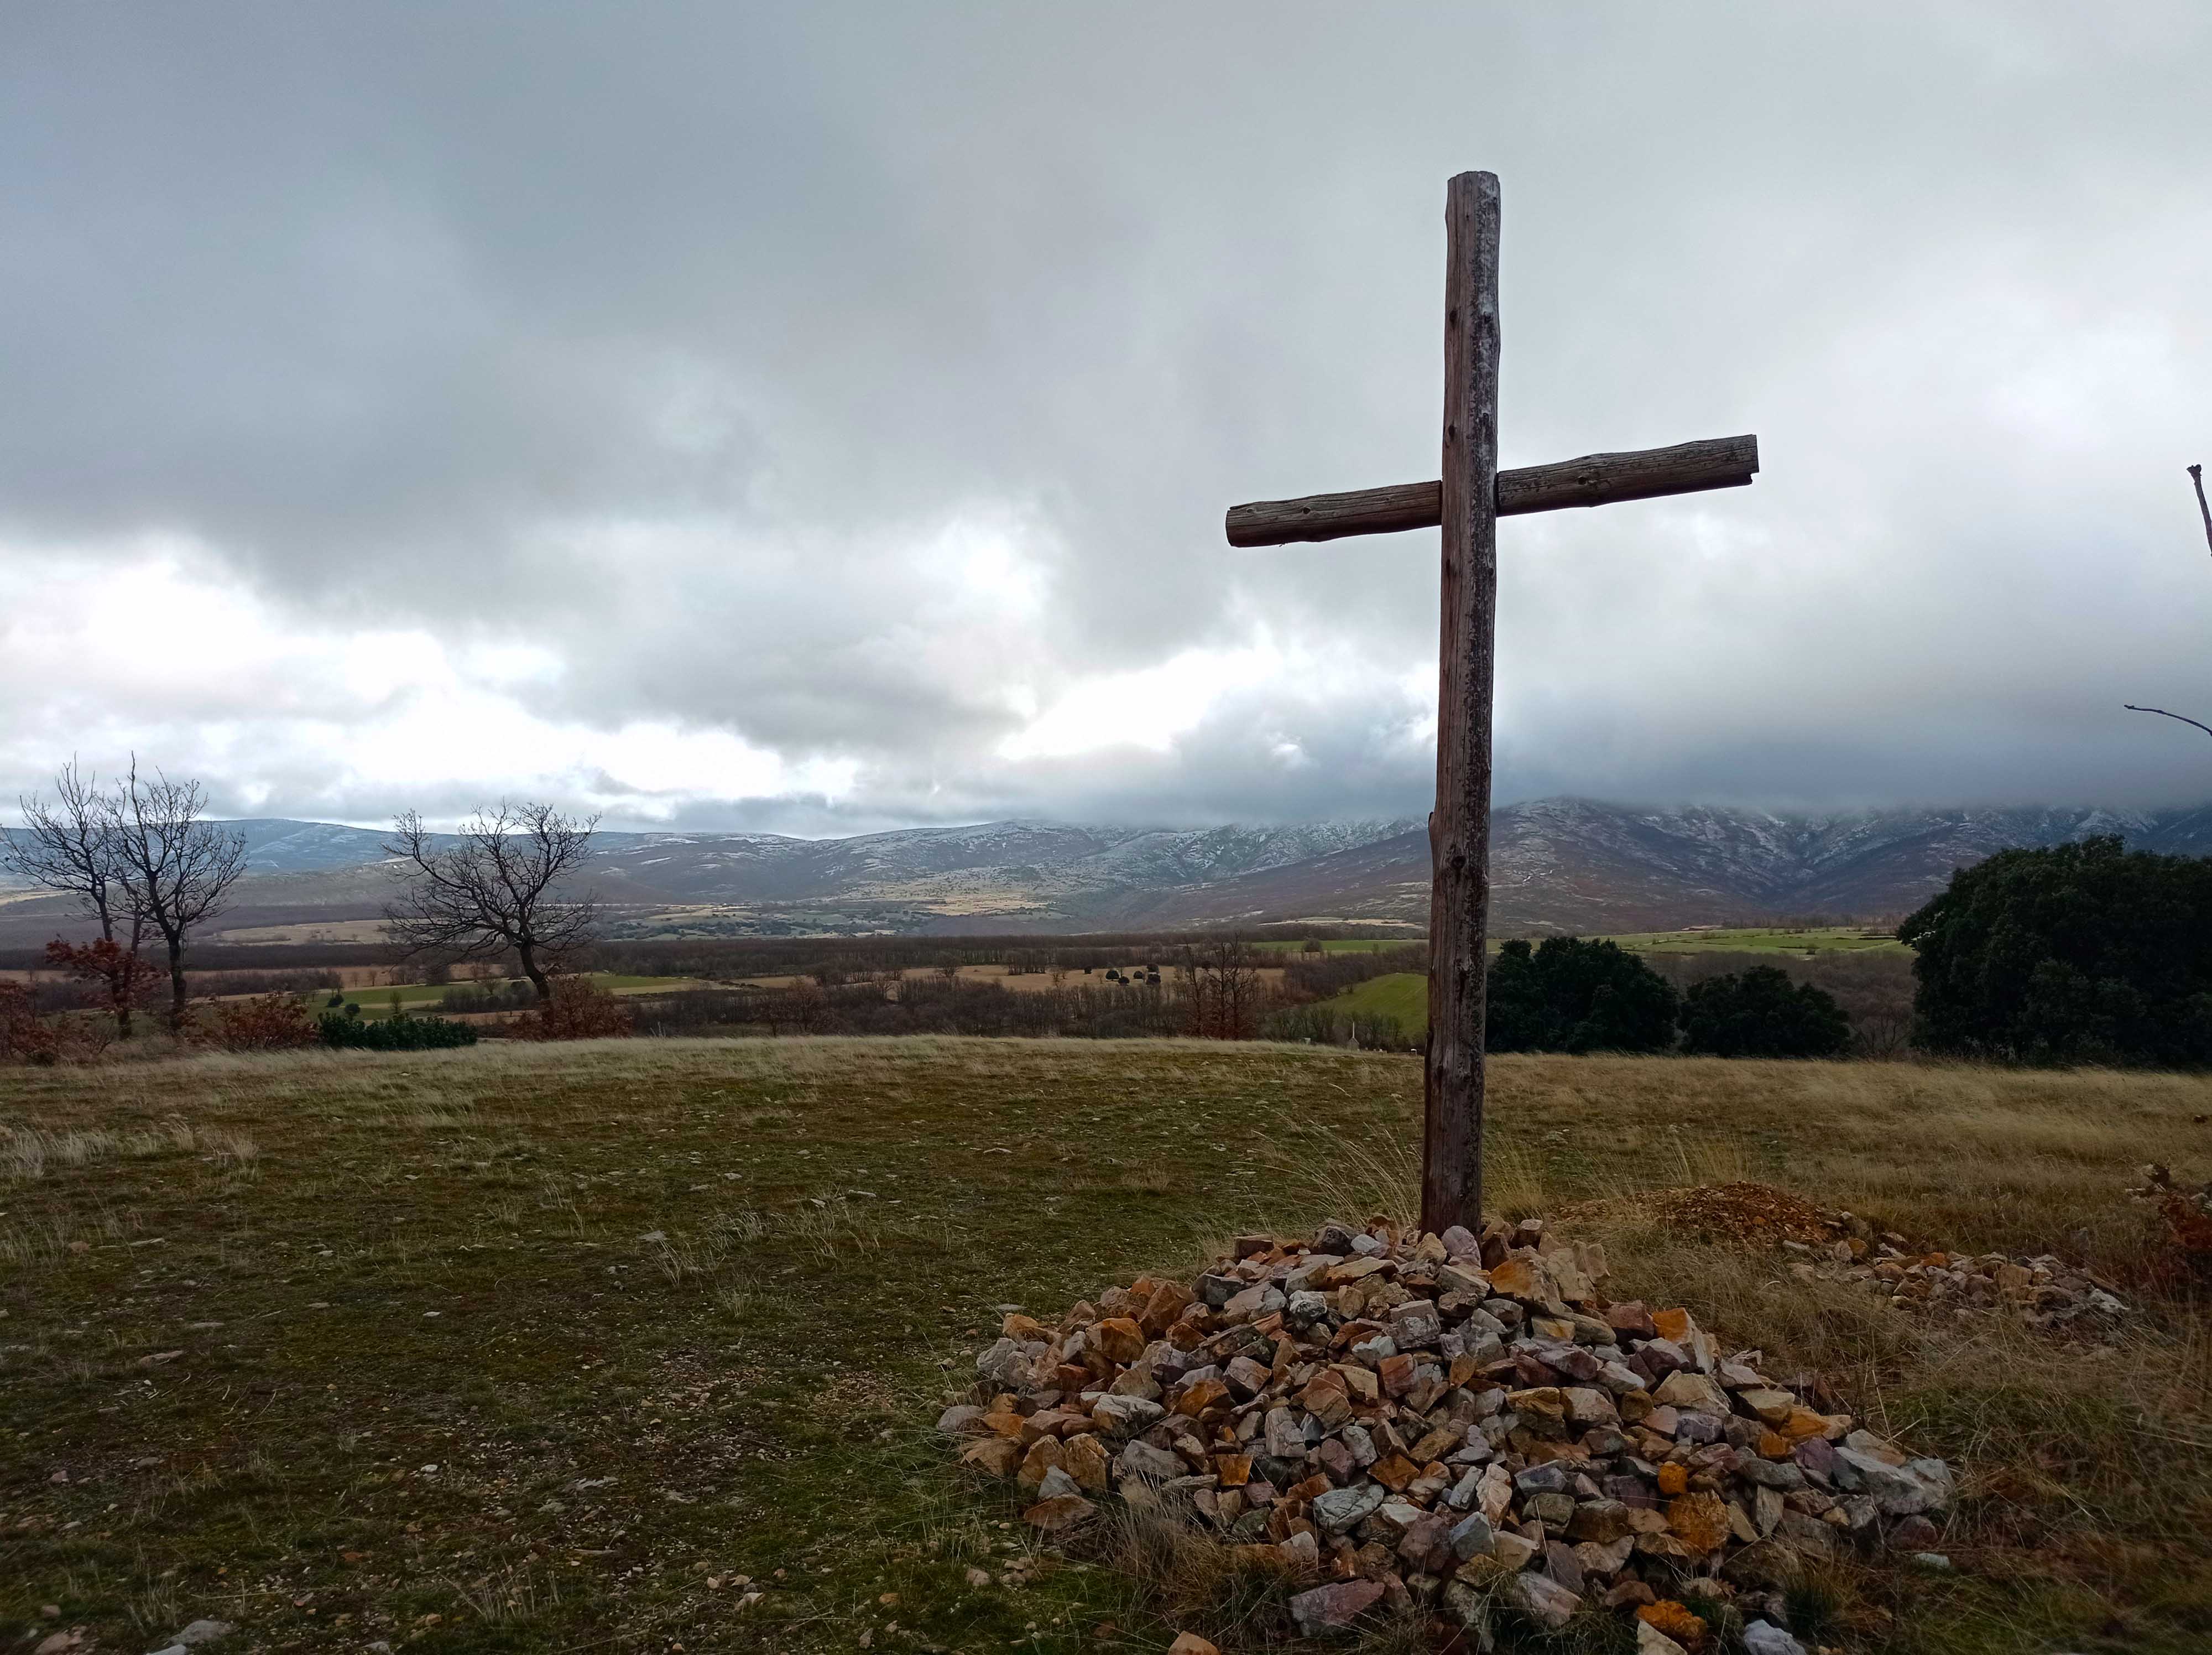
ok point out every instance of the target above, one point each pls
(857, 380)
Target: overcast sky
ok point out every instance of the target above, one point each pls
(820, 417)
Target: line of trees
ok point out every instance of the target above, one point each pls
(1590, 994)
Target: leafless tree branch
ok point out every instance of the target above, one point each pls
(2128, 706)
(2196, 478)
(70, 846)
(175, 867)
(493, 889)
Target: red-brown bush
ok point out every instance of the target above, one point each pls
(24, 1037)
(578, 1010)
(265, 1023)
(125, 977)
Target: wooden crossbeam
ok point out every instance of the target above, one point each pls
(1593, 480)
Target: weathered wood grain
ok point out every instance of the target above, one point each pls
(1592, 480)
(1459, 831)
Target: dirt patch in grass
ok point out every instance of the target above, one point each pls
(1754, 1215)
(441, 1384)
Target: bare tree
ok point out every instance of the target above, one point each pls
(70, 846)
(175, 867)
(2204, 511)
(1220, 991)
(493, 889)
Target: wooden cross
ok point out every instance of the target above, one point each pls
(1468, 500)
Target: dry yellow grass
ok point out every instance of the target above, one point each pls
(724, 1274)
(2088, 1473)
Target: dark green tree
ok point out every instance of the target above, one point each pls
(2079, 953)
(1762, 1014)
(1579, 994)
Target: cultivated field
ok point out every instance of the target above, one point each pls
(636, 1344)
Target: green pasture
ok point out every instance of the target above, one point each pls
(1403, 995)
(426, 996)
(1762, 939)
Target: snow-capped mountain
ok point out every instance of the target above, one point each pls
(1557, 865)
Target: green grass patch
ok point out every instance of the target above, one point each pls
(427, 996)
(1403, 995)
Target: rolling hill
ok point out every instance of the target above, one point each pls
(1558, 865)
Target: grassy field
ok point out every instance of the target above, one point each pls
(1400, 995)
(635, 1344)
(1843, 938)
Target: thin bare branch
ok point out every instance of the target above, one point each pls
(2130, 707)
(71, 846)
(68, 847)
(2196, 477)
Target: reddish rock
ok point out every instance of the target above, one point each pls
(1393, 1472)
(1360, 1383)
(1542, 1408)
(1063, 1513)
(1085, 1459)
(1522, 1279)
(1331, 1609)
(1119, 1338)
(1196, 1399)
(994, 1454)
(1326, 1398)
(1674, 1326)
(1631, 1317)
(1247, 1378)
(1044, 1455)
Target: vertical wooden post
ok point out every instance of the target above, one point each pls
(1459, 832)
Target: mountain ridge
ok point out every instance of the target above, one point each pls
(1558, 864)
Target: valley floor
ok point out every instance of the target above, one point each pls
(637, 1344)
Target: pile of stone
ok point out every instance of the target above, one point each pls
(1449, 1422)
(2044, 1291)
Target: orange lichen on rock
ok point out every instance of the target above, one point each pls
(1675, 1620)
